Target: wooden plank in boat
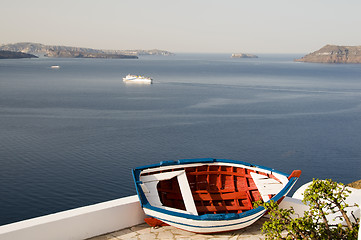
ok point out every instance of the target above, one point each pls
(266, 186)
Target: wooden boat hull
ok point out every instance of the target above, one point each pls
(209, 195)
(205, 226)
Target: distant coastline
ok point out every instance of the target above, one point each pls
(334, 54)
(243, 55)
(15, 55)
(355, 184)
(53, 51)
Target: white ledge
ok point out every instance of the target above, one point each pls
(79, 223)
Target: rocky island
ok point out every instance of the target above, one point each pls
(243, 55)
(15, 55)
(85, 54)
(334, 54)
(76, 52)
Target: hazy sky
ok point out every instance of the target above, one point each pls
(223, 26)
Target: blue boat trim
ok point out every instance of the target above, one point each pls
(197, 160)
(218, 226)
(205, 160)
(221, 216)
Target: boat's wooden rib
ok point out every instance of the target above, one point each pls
(215, 189)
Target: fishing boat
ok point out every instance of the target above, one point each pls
(208, 195)
(137, 79)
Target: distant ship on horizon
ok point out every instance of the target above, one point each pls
(137, 79)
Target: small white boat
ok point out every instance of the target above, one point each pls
(55, 67)
(137, 79)
(208, 195)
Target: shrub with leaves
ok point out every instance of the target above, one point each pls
(323, 198)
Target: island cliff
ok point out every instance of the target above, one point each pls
(76, 52)
(15, 55)
(334, 54)
(243, 55)
(84, 54)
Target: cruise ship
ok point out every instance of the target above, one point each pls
(137, 79)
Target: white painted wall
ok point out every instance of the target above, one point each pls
(354, 197)
(79, 223)
(297, 205)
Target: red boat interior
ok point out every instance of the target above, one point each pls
(215, 189)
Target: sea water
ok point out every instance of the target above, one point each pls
(69, 137)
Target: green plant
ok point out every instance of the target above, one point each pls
(323, 197)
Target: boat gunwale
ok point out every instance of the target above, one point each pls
(206, 160)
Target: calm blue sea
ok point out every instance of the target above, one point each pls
(70, 136)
